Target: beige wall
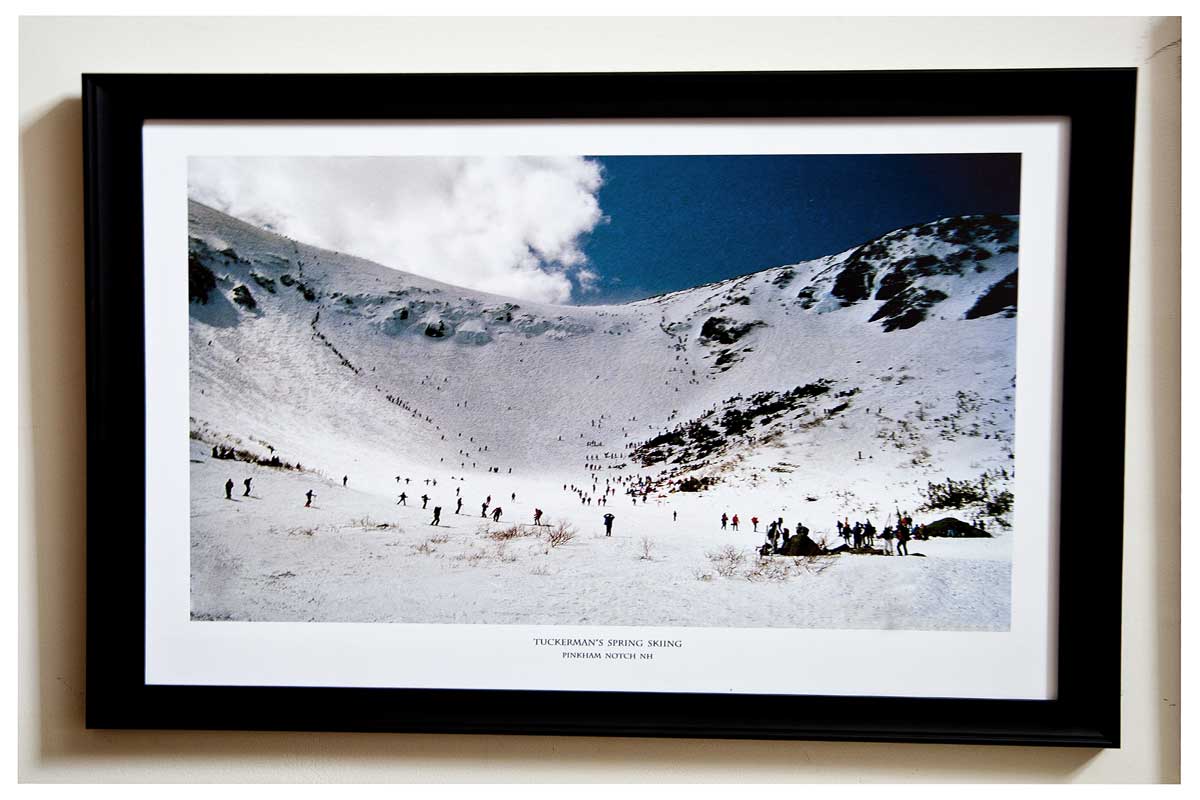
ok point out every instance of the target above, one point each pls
(53, 52)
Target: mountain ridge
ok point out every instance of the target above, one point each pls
(347, 364)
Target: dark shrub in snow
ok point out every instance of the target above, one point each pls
(892, 284)
(725, 330)
(949, 526)
(242, 296)
(801, 546)
(853, 283)
(201, 280)
(308, 293)
(1000, 298)
(694, 484)
(960, 493)
(907, 308)
(264, 282)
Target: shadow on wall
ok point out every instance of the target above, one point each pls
(1160, 376)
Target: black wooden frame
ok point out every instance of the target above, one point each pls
(1100, 107)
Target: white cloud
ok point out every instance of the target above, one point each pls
(509, 225)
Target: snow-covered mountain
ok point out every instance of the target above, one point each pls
(846, 383)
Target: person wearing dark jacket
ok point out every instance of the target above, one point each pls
(437, 515)
(246, 483)
(608, 521)
(229, 489)
(310, 495)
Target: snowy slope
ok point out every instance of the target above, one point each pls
(901, 351)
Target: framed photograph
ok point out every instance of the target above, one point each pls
(703, 405)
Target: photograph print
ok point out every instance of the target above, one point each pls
(735, 391)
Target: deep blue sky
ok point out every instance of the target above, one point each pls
(680, 221)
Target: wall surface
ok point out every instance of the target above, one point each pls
(53, 745)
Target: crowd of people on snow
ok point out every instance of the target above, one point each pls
(857, 537)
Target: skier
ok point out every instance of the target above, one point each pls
(403, 501)
(310, 495)
(608, 521)
(537, 516)
(229, 489)
(344, 479)
(458, 508)
(754, 522)
(246, 483)
(902, 539)
(514, 497)
(483, 513)
(735, 521)
(887, 540)
(496, 514)
(424, 501)
(437, 515)
(674, 516)
(724, 521)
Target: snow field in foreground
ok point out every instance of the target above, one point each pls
(268, 558)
